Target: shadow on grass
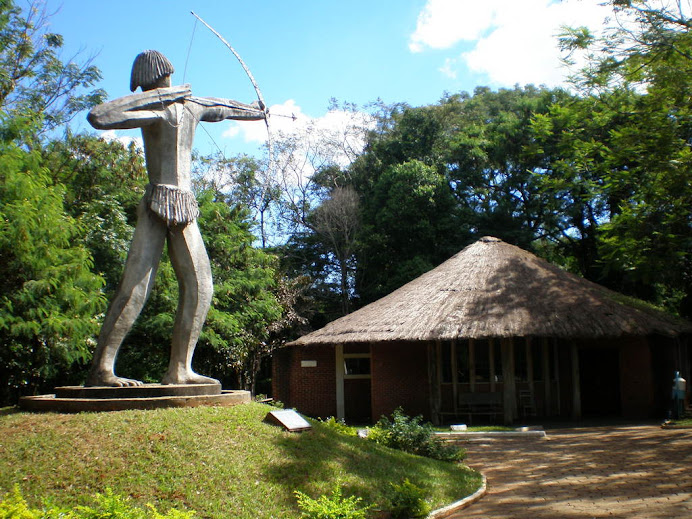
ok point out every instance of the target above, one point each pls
(6, 411)
(363, 468)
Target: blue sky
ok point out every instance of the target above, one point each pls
(302, 53)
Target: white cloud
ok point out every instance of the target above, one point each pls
(449, 68)
(513, 41)
(336, 126)
(304, 144)
(443, 23)
(125, 140)
(280, 120)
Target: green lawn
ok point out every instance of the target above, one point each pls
(220, 462)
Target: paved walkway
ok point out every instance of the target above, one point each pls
(597, 472)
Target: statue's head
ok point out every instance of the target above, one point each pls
(149, 69)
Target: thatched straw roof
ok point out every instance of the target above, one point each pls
(493, 289)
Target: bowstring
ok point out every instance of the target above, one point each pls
(189, 50)
(199, 125)
(270, 144)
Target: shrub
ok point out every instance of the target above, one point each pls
(412, 436)
(407, 500)
(332, 507)
(338, 425)
(13, 506)
(108, 506)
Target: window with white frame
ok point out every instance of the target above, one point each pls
(356, 365)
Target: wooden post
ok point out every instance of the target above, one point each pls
(558, 389)
(431, 380)
(491, 359)
(530, 406)
(373, 376)
(455, 376)
(576, 387)
(340, 403)
(547, 407)
(434, 380)
(509, 386)
(513, 385)
(438, 372)
(529, 365)
(472, 365)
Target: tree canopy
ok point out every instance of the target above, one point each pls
(593, 177)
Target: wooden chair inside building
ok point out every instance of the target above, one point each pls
(474, 405)
(527, 404)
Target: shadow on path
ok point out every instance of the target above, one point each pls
(588, 472)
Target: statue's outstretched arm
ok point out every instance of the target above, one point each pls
(136, 110)
(214, 109)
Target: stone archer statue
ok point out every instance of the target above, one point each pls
(168, 117)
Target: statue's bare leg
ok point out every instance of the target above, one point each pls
(191, 265)
(133, 291)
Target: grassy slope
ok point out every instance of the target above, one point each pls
(220, 462)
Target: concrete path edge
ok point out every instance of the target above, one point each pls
(448, 510)
(475, 435)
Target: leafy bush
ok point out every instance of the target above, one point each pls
(332, 507)
(13, 506)
(108, 506)
(407, 500)
(412, 436)
(338, 425)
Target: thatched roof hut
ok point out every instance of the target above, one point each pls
(489, 327)
(494, 289)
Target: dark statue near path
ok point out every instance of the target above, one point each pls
(168, 117)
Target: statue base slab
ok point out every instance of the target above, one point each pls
(75, 399)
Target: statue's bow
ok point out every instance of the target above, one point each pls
(260, 98)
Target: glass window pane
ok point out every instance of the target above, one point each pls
(357, 366)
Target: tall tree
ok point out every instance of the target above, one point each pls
(104, 183)
(645, 59)
(246, 181)
(49, 297)
(34, 79)
(432, 178)
(319, 212)
(336, 222)
(236, 336)
(411, 225)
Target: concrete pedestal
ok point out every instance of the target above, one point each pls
(75, 399)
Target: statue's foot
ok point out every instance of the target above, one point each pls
(110, 380)
(187, 377)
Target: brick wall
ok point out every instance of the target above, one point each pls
(400, 379)
(311, 390)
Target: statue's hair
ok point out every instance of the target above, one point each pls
(149, 66)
